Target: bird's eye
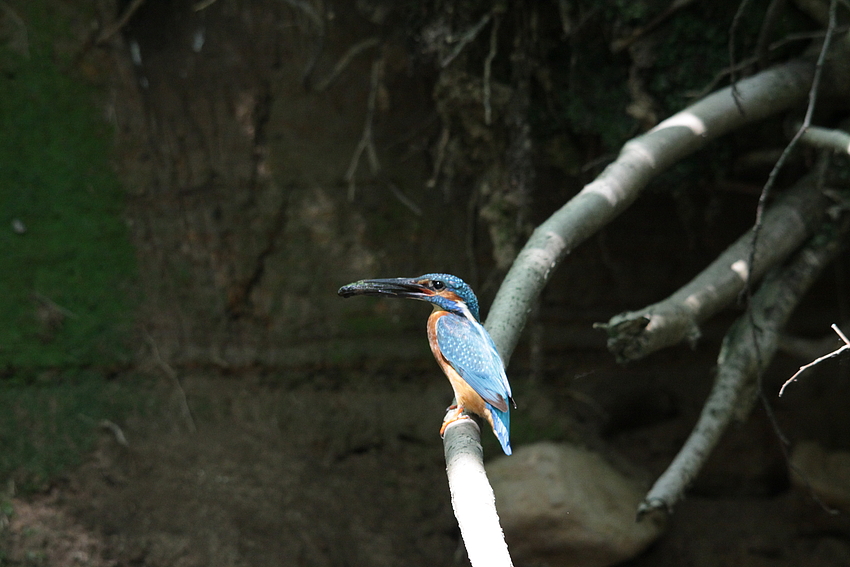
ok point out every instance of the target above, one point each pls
(438, 285)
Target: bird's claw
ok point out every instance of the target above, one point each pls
(458, 415)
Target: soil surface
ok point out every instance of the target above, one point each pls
(303, 476)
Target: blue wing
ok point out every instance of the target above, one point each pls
(469, 349)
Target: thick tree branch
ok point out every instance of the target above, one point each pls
(834, 140)
(634, 335)
(785, 226)
(767, 93)
(747, 349)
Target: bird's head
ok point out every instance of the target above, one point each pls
(444, 291)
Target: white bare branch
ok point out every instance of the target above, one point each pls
(747, 349)
(835, 140)
(641, 159)
(473, 500)
(785, 226)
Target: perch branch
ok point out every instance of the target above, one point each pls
(818, 360)
(473, 500)
(786, 224)
(640, 160)
(747, 349)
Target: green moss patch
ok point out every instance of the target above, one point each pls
(66, 265)
(67, 268)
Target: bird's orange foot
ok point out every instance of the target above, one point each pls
(457, 416)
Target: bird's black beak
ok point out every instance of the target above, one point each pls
(393, 287)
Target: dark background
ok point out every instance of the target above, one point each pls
(178, 214)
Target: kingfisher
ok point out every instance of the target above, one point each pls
(462, 346)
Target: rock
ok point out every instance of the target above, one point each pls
(565, 505)
(826, 472)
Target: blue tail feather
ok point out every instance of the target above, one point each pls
(502, 427)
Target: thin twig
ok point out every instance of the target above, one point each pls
(318, 20)
(749, 345)
(488, 64)
(405, 200)
(344, 61)
(626, 42)
(790, 38)
(465, 38)
(807, 120)
(203, 5)
(116, 431)
(172, 374)
(445, 136)
(308, 9)
(817, 361)
(53, 306)
(733, 79)
(813, 93)
(21, 25)
(771, 16)
(806, 348)
(566, 20)
(366, 142)
(110, 426)
(122, 21)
